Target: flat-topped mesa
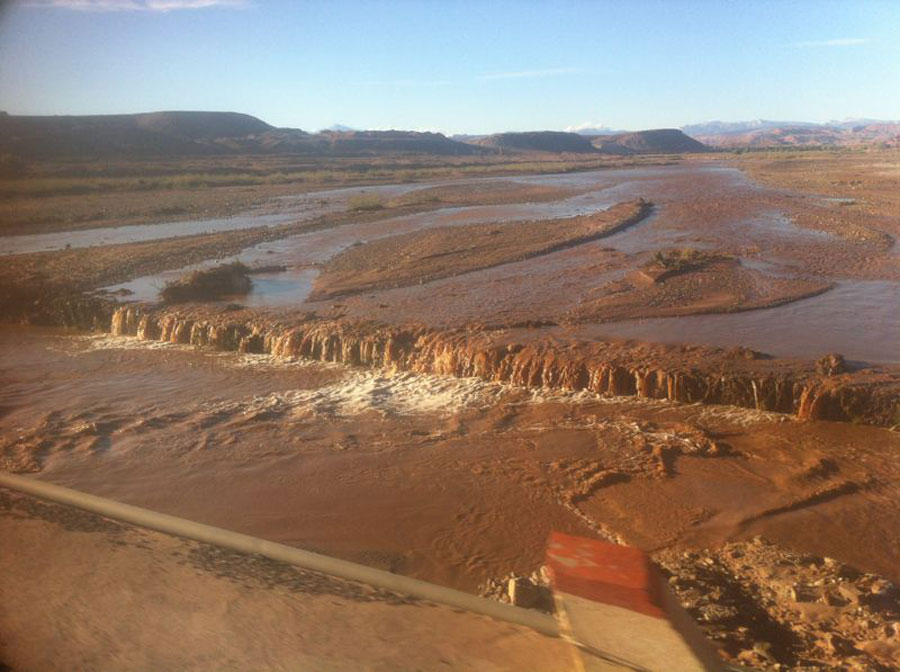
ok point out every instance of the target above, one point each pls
(601, 368)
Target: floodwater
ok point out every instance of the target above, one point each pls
(860, 320)
(706, 206)
(301, 207)
(296, 253)
(307, 206)
(48, 242)
(607, 188)
(449, 480)
(457, 480)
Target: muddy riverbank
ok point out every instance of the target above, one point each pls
(450, 479)
(522, 356)
(444, 428)
(422, 257)
(541, 321)
(708, 207)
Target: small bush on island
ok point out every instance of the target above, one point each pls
(417, 197)
(208, 284)
(365, 202)
(683, 259)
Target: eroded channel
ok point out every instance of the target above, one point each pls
(445, 479)
(705, 207)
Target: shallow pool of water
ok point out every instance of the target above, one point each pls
(48, 242)
(859, 319)
(610, 186)
(295, 208)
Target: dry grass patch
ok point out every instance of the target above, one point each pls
(208, 284)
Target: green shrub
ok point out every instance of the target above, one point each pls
(208, 284)
(681, 260)
(365, 202)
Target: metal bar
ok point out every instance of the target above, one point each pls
(543, 623)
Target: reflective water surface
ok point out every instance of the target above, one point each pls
(859, 318)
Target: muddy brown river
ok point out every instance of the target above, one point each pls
(860, 319)
(709, 207)
(458, 480)
(451, 480)
(297, 208)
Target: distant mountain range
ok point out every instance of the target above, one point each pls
(537, 141)
(659, 141)
(764, 133)
(757, 133)
(176, 134)
(723, 127)
(340, 128)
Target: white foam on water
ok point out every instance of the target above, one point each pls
(383, 392)
(543, 395)
(399, 393)
(230, 359)
(270, 362)
(403, 393)
(743, 417)
(110, 342)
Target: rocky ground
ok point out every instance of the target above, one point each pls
(773, 609)
(766, 607)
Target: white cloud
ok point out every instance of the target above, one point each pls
(527, 74)
(584, 125)
(837, 42)
(401, 127)
(133, 5)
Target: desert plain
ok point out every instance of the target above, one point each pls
(438, 362)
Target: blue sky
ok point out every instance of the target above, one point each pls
(455, 66)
